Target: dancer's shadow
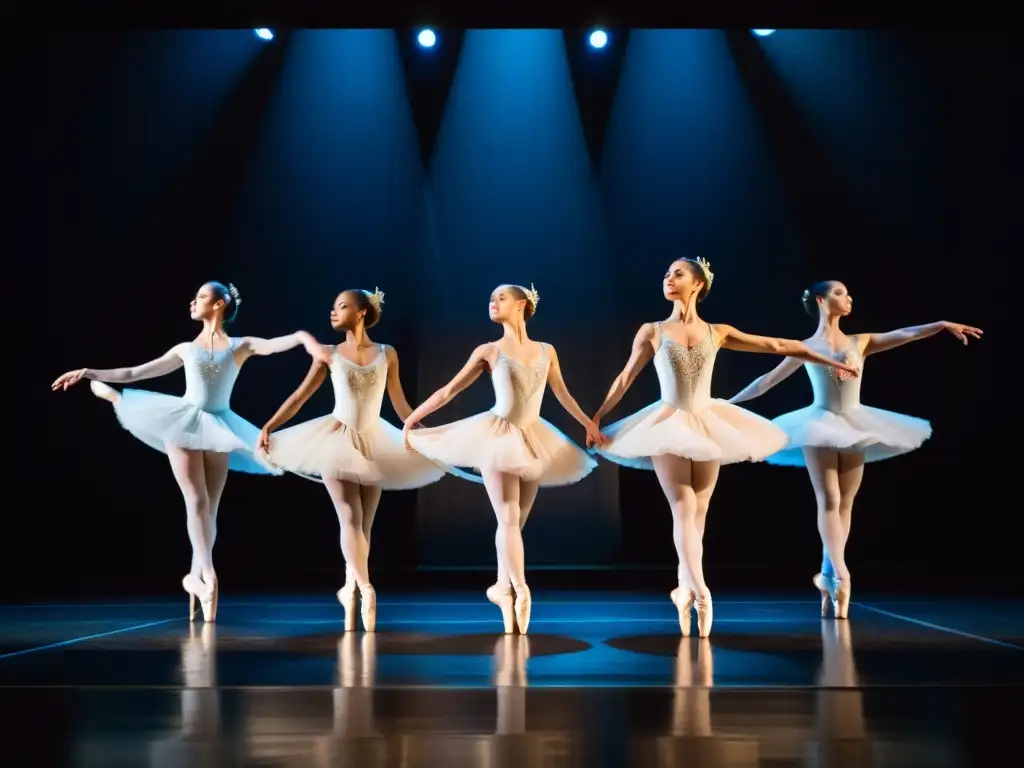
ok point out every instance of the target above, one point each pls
(198, 742)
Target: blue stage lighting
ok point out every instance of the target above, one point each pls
(599, 38)
(426, 38)
(762, 32)
(264, 34)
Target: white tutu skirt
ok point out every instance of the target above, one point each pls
(325, 447)
(719, 432)
(488, 443)
(160, 420)
(876, 433)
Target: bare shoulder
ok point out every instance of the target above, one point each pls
(485, 353)
(389, 351)
(722, 332)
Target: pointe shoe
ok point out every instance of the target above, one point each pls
(842, 602)
(104, 391)
(826, 585)
(523, 605)
(502, 597)
(683, 600)
(347, 597)
(207, 594)
(705, 615)
(368, 608)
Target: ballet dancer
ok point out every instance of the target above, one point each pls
(201, 435)
(836, 435)
(687, 435)
(514, 449)
(353, 451)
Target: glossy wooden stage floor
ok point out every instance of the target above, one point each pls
(602, 679)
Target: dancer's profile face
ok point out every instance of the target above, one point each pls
(679, 282)
(837, 301)
(345, 312)
(206, 303)
(503, 305)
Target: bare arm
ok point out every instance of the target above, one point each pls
(297, 399)
(745, 342)
(561, 392)
(762, 384)
(477, 364)
(872, 343)
(395, 391)
(170, 361)
(643, 351)
(253, 345)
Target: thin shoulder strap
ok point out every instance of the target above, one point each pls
(659, 336)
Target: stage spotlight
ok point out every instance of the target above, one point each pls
(762, 32)
(264, 34)
(426, 38)
(599, 38)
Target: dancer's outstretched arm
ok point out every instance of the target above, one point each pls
(762, 384)
(291, 406)
(478, 362)
(253, 345)
(744, 342)
(872, 343)
(561, 393)
(170, 361)
(395, 391)
(643, 351)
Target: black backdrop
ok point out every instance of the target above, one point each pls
(912, 212)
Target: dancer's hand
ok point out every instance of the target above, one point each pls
(315, 349)
(263, 442)
(406, 429)
(68, 379)
(845, 371)
(961, 331)
(594, 435)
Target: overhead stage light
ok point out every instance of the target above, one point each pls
(762, 32)
(599, 38)
(426, 38)
(264, 34)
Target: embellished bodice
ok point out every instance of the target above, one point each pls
(831, 392)
(684, 373)
(359, 390)
(518, 388)
(210, 376)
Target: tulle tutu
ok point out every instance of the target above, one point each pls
(878, 434)
(719, 432)
(325, 447)
(486, 442)
(159, 420)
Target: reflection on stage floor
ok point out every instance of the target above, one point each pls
(601, 680)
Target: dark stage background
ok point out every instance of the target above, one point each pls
(332, 159)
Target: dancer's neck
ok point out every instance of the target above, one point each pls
(685, 311)
(515, 332)
(357, 336)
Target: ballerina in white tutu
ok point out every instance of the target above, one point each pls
(687, 435)
(513, 448)
(353, 451)
(836, 435)
(201, 435)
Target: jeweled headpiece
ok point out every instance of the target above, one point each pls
(705, 267)
(376, 298)
(234, 293)
(533, 297)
